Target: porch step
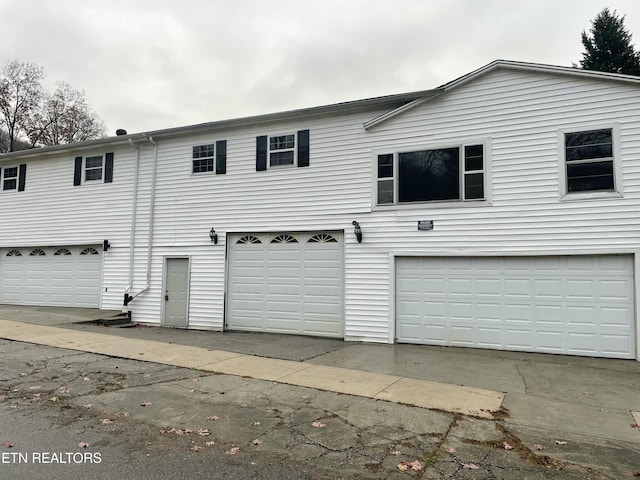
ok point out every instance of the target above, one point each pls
(120, 321)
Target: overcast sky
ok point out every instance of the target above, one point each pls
(153, 64)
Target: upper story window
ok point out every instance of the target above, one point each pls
(285, 150)
(589, 160)
(589, 163)
(211, 157)
(13, 178)
(439, 174)
(282, 150)
(93, 169)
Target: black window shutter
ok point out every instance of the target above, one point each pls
(22, 176)
(221, 157)
(303, 148)
(77, 173)
(261, 153)
(108, 167)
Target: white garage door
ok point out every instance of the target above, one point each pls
(577, 305)
(53, 276)
(286, 283)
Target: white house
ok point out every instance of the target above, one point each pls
(500, 210)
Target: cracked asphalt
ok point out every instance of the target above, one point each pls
(146, 420)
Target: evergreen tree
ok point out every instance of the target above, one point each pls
(608, 46)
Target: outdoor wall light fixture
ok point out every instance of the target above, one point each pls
(105, 245)
(357, 231)
(213, 236)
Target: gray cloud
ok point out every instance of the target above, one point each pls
(148, 65)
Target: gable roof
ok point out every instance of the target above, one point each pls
(505, 65)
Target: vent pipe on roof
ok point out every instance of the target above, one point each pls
(120, 132)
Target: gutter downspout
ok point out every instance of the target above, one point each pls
(127, 297)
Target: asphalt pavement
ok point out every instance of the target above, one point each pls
(562, 416)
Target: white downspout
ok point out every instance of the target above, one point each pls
(129, 298)
(134, 213)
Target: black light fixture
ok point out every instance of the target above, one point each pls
(357, 231)
(213, 236)
(105, 245)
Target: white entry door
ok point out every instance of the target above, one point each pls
(286, 283)
(577, 305)
(176, 292)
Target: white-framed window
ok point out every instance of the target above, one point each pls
(282, 150)
(93, 168)
(589, 162)
(203, 159)
(438, 174)
(209, 158)
(10, 178)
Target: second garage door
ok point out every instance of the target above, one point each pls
(578, 305)
(54, 276)
(286, 283)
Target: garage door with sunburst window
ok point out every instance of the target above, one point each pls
(68, 276)
(286, 282)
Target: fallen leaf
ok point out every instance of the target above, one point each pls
(63, 389)
(255, 424)
(560, 442)
(588, 393)
(213, 417)
(210, 443)
(121, 414)
(243, 405)
(396, 452)
(8, 444)
(633, 474)
(203, 432)
(145, 404)
(195, 448)
(35, 387)
(506, 446)
(470, 466)
(405, 465)
(257, 441)
(304, 397)
(22, 374)
(83, 444)
(635, 425)
(232, 451)
(451, 450)
(538, 447)
(54, 399)
(318, 425)
(146, 375)
(86, 379)
(105, 421)
(192, 390)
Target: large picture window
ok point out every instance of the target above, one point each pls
(439, 174)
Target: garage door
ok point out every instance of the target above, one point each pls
(286, 283)
(577, 305)
(54, 276)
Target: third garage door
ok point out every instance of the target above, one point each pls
(286, 283)
(578, 305)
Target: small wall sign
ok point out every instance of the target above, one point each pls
(425, 224)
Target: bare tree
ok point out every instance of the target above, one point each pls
(20, 95)
(65, 117)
